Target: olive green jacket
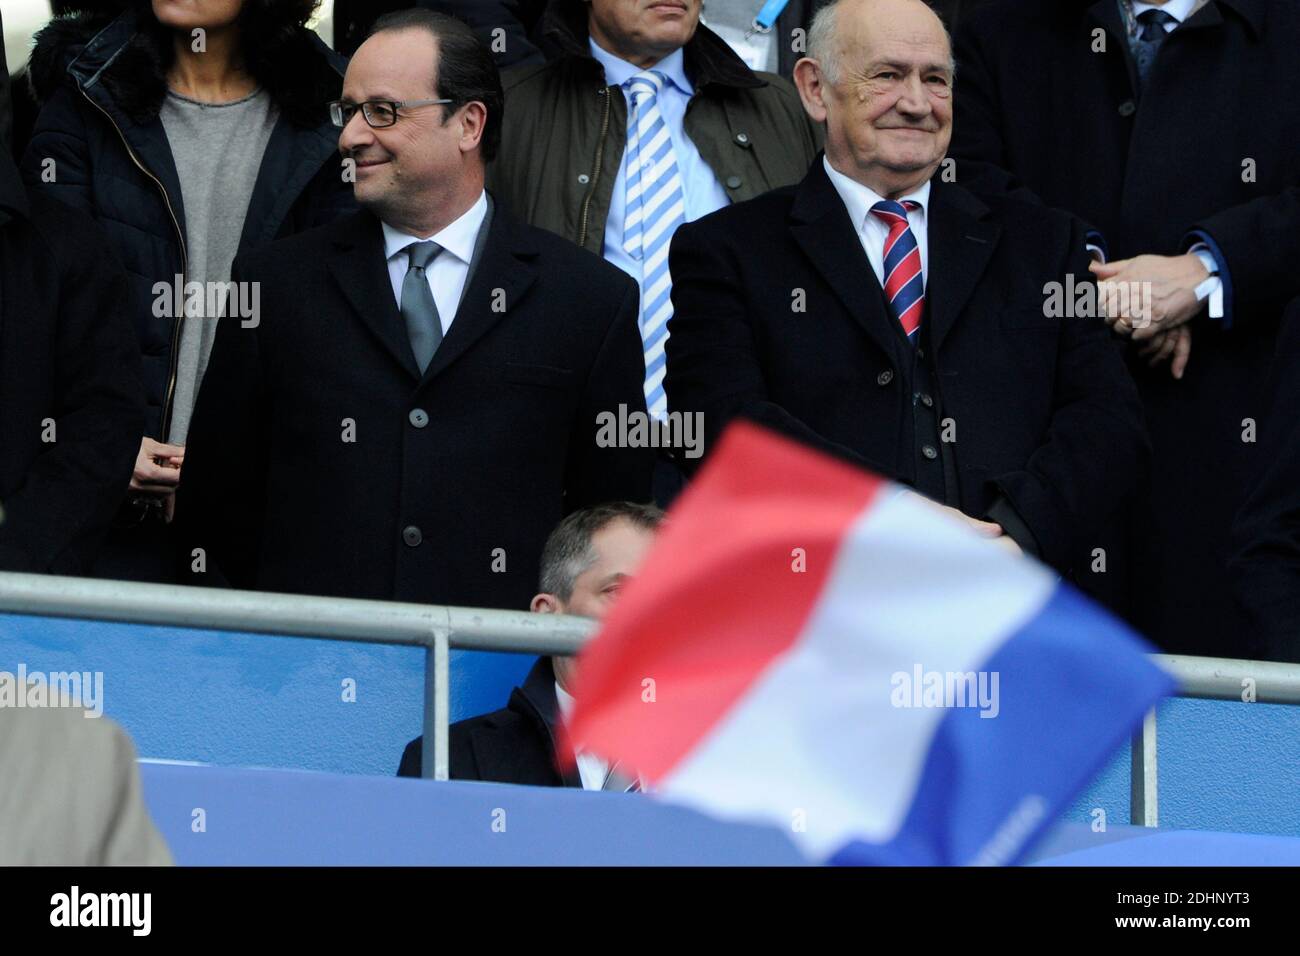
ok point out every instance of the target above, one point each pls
(564, 130)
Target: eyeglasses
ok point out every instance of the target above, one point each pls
(377, 113)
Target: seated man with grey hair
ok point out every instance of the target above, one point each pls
(586, 562)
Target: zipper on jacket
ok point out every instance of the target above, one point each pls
(607, 92)
(180, 236)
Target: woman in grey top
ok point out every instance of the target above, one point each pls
(192, 130)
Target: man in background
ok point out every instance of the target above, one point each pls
(1162, 125)
(588, 559)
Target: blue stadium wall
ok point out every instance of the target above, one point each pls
(242, 700)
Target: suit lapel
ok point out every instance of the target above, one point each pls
(360, 268)
(1107, 13)
(961, 243)
(495, 287)
(821, 227)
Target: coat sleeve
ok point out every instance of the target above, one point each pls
(714, 365)
(220, 503)
(1264, 570)
(597, 474)
(59, 514)
(1260, 240)
(1096, 449)
(58, 159)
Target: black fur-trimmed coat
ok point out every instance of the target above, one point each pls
(99, 146)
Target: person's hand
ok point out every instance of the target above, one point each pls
(157, 468)
(1149, 295)
(985, 529)
(1174, 346)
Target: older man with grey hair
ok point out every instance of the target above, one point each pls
(587, 561)
(882, 313)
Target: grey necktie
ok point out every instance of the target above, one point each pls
(419, 311)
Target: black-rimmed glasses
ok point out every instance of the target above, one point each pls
(377, 113)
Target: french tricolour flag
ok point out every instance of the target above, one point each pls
(814, 647)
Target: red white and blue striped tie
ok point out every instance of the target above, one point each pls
(904, 284)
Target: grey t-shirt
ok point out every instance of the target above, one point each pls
(218, 151)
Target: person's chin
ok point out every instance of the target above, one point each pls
(910, 161)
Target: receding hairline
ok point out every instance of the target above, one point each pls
(826, 46)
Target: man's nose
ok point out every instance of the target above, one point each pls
(356, 133)
(914, 100)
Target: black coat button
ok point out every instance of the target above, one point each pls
(743, 139)
(733, 182)
(929, 452)
(927, 401)
(885, 377)
(418, 417)
(412, 535)
(1127, 108)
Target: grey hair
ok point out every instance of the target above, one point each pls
(823, 48)
(568, 551)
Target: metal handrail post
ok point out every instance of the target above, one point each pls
(1144, 779)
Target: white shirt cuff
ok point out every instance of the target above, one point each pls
(1212, 287)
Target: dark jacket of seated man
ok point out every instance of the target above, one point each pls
(515, 744)
(1002, 409)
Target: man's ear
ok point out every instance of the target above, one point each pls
(811, 84)
(473, 120)
(546, 604)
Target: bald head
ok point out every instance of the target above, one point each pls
(837, 28)
(879, 74)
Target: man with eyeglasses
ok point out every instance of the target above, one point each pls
(416, 406)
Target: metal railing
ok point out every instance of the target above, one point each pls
(439, 628)
(1203, 678)
(436, 628)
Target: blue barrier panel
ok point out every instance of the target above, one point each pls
(1223, 766)
(213, 816)
(268, 817)
(251, 700)
(254, 700)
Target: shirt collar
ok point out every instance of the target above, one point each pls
(1180, 10)
(618, 71)
(564, 699)
(859, 199)
(457, 237)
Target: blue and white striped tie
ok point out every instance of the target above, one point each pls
(656, 206)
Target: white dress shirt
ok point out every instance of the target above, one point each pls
(1180, 10)
(872, 230)
(591, 768)
(447, 273)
